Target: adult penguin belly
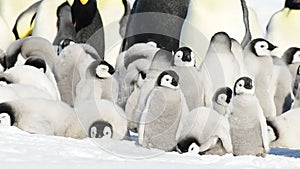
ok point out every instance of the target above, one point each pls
(158, 21)
(112, 12)
(205, 18)
(45, 22)
(283, 30)
(6, 35)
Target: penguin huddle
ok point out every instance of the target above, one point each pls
(176, 84)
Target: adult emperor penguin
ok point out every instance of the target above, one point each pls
(259, 65)
(292, 58)
(144, 25)
(159, 125)
(190, 78)
(45, 22)
(248, 127)
(24, 24)
(283, 27)
(198, 28)
(281, 88)
(104, 119)
(98, 84)
(65, 28)
(208, 127)
(284, 131)
(220, 63)
(41, 116)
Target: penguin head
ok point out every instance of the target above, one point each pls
(292, 4)
(261, 47)
(221, 39)
(83, 12)
(244, 85)
(291, 55)
(194, 148)
(104, 70)
(7, 117)
(64, 43)
(189, 144)
(223, 96)
(169, 79)
(37, 62)
(184, 57)
(101, 129)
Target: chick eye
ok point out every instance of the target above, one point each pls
(262, 46)
(167, 80)
(240, 85)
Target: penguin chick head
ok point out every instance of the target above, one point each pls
(291, 55)
(223, 96)
(101, 129)
(184, 57)
(261, 47)
(6, 115)
(104, 70)
(64, 43)
(194, 148)
(169, 79)
(37, 62)
(244, 85)
(292, 4)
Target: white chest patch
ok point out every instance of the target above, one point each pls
(5, 119)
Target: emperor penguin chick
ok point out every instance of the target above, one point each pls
(191, 82)
(208, 127)
(98, 84)
(159, 125)
(248, 127)
(259, 65)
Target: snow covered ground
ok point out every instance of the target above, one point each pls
(20, 150)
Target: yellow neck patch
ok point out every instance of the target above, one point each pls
(83, 2)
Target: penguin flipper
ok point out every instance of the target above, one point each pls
(124, 20)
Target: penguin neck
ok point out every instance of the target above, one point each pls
(105, 3)
(223, 110)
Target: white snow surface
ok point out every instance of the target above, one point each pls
(21, 150)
